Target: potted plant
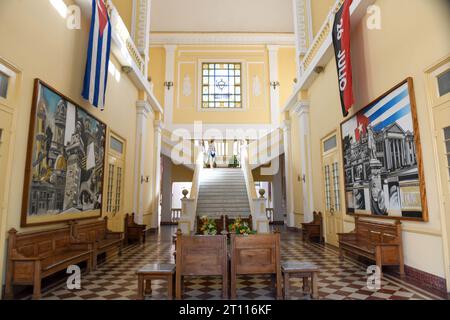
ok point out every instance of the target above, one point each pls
(240, 227)
(208, 227)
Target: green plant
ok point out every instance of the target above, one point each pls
(209, 226)
(240, 227)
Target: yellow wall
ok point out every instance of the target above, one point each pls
(381, 59)
(157, 72)
(36, 40)
(125, 9)
(287, 66)
(319, 12)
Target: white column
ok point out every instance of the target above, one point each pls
(302, 112)
(166, 205)
(286, 126)
(143, 111)
(169, 77)
(277, 197)
(274, 92)
(157, 175)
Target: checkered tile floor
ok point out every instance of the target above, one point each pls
(338, 280)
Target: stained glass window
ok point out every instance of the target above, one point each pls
(221, 85)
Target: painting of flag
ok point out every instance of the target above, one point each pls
(382, 158)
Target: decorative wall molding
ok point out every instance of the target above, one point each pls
(257, 90)
(300, 25)
(142, 37)
(187, 86)
(158, 39)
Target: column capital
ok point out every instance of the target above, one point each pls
(301, 107)
(158, 125)
(273, 48)
(286, 125)
(143, 107)
(170, 48)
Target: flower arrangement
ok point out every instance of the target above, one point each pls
(240, 227)
(209, 226)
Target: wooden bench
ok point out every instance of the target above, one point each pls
(201, 256)
(155, 271)
(313, 230)
(306, 271)
(33, 256)
(254, 255)
(381, 242)
(133, 232)
(102, 240)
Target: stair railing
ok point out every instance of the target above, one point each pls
(189, 205)
(257, 205)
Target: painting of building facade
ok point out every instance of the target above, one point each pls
(381, 157)
(65, 160)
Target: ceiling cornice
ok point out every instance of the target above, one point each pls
(187, 38)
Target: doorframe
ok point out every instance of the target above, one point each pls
(435, 102)
(9, 105)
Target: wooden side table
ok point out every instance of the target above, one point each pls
(304, 270)
(155, 271)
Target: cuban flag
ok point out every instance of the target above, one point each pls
(96, 74)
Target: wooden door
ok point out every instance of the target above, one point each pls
(332, 190)
(115, 171)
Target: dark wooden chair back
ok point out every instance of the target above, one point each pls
(39, 244)
(255, 254)
(91, 231)
(201, 255)
(371, 233)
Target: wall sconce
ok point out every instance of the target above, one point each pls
(146, 179)
(275, 84)
(168, 84)
(318, 69)
(127, 69)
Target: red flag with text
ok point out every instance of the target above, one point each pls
(341, 43)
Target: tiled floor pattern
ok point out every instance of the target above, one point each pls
(338, 280)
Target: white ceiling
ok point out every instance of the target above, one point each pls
(222, 16)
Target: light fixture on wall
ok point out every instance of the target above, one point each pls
(168, 84)
(318, 69)
(146, 179)
(275, 84)
(127, 69)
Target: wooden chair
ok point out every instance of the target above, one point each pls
(33, 256)
(313, 230)
(133, 232)
(381, 242)
(254, 255)
(97, 233)
(201, 256)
